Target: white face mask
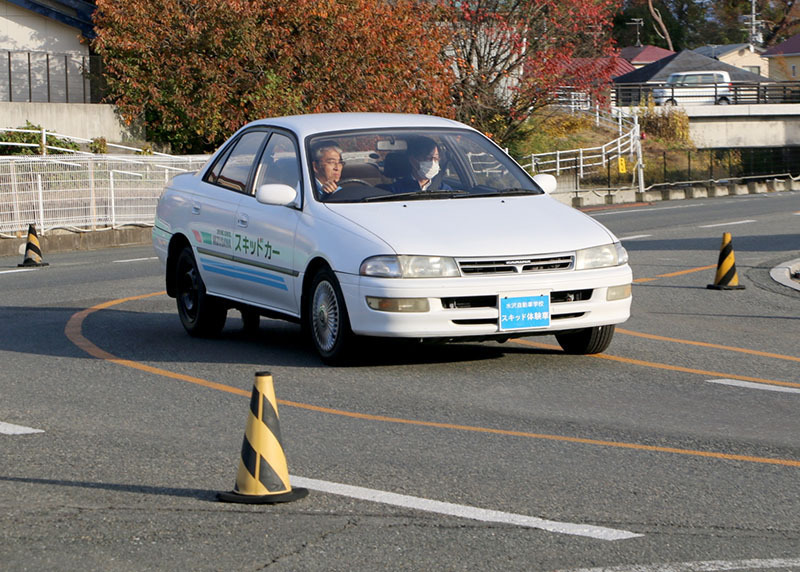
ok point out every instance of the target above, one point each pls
(428, 169)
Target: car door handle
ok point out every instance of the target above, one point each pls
(242, 220)
(195, 208)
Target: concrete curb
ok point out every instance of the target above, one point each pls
(784, 273)
(676, 192)
(67, 241)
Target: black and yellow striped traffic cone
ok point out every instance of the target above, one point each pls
(263, 476)
(33, 252)
(727, 278)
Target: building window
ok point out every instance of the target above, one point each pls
(753, 69)
(794, 70)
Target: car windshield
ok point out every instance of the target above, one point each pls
(418, 164)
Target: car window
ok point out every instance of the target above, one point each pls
(234, 170)
(383, 164)
(279, 163)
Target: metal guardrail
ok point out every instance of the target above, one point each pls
(84, 193)
(639, 94)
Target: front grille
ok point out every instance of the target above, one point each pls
(516, 265)
(469, 302)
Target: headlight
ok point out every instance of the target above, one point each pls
(389, 266)
(601, 256)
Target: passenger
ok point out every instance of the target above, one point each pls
(327, 164)
(423, 156)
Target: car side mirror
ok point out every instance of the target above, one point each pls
(546, 181)
(276, 194)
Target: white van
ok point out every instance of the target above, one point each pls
(695, 88)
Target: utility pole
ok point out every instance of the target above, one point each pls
(753, 24)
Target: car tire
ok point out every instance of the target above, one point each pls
(723, 101)
(202, 315)
(587, 341)
(326, 320)
(251, 319)
(670, 102)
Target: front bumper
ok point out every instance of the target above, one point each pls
(467, 306)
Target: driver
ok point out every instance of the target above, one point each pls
(327, 164)
(423, 156)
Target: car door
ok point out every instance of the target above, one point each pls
(264, 237)
(213, 217)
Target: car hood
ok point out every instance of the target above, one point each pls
(477, 227)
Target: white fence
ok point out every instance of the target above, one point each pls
(587, 159)
(84, 192)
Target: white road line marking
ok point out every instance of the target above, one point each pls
(17, 270)
(138, 259)
(635, 236)
(707, 566)
(750, 385)
(462, 511)
(11, 429)
(643, 209)
(727, 223)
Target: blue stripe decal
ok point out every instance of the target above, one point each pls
(244, 274)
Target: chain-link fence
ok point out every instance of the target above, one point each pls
(84, 192)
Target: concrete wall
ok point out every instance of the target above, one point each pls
(75, 119)
(717, 126)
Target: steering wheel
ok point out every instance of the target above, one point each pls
(356, 181)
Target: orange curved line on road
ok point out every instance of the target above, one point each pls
(73, 331)
(656, 365)
(707, 345)
(678, 273)
(75, 335)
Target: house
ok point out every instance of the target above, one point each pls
(784, 60)
(43, 50)
(640, 56)
(657, 73)
(49, 77)
(685, 61)
(745, 56)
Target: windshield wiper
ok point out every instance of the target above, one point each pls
(509, 192)
(417, 196)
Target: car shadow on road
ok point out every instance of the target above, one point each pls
(157, 338)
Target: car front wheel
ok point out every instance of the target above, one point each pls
(326, 318)
(201, 315)
(587, 341)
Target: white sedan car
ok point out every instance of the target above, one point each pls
(403, 226)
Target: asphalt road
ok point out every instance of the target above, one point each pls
(677, 449)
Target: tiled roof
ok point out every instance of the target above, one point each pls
(790, 47)
(644, 54)
(712, 51)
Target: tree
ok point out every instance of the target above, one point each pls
(511, 56)
(693, 23)
(196, 70)
(780, 19)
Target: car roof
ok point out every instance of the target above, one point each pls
(699, 72)
(314, 123)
